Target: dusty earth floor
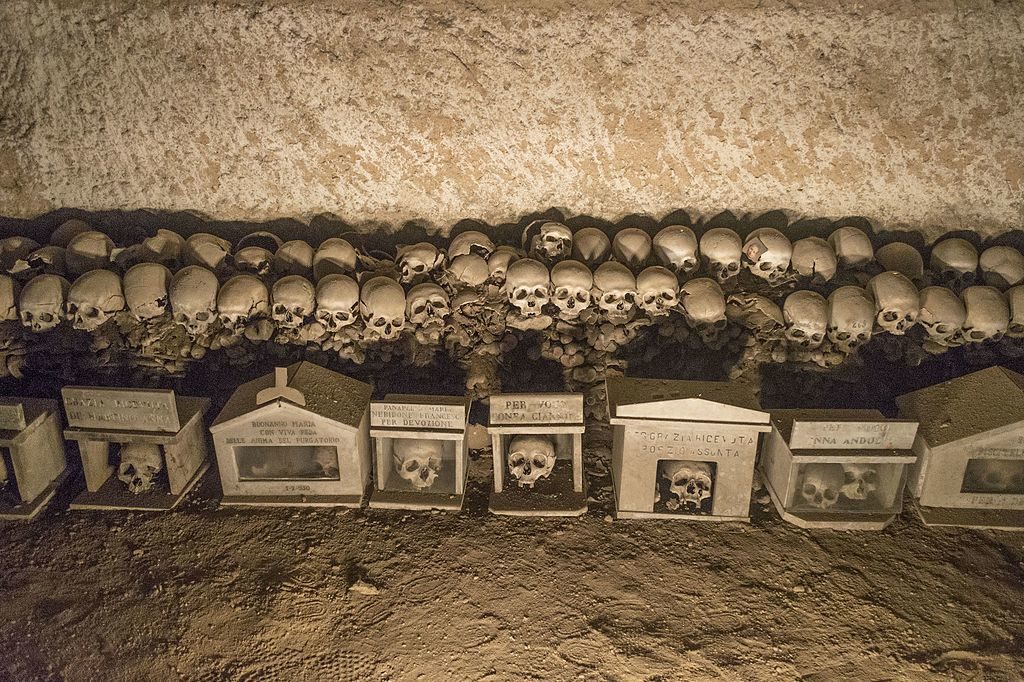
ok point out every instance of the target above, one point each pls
(208, 593)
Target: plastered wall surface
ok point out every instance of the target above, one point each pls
(436, 111)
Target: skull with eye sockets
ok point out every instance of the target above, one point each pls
(767, 254)
(806, 315)
(427, 304)
(242, 299)
(657, 291)
(382, 305)
(942, 315)
(94, 298)
(528, 286)
(549, 241)
(814, 259)
(1002, 267)
(337, 301)
(292, 302)
(571, 281)
(704, 308)
(988, 315)
(954, 263)
(530, 458)
(146, 288)
(676, 249)
(42, 303)
(418, 261)
(851, 318)
(821, 484)
(897, 302)
(615, 291)
(722, 252)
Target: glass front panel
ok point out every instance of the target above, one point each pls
(287, 463)
(853, 487)
(994, 476)
(8, 487)
(684, 487)
(421, 464)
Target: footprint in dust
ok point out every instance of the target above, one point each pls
(631, 627)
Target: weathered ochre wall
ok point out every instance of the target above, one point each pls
(436, 110)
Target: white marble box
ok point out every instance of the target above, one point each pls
(299, 436)
(420, 456)
(970, 448)
(683, 449)
(537, 447)
(841, 469)
(32, 461)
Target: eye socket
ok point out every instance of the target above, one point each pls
(540, 461)
(869, 476)
(516, 459)
(798, 333)
(279, 309)
(72, 308)
(890, 316)
(848, 477)
(764, 267)
(582, 296)
(843, 336)
(397, 322)
(92, 312)
(203, 316)
(733, 267)
(45, 317)
(520, 294)
(830, 494)
(610, 298)
(809, 489)
(977, 336)
(540, 292)
(379, 322)
(419, 308)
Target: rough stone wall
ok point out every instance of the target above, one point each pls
(435, 110)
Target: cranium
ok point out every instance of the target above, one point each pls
(254, 260)
(954, 263)
(852, 247)
(334, 257)
(996, 476)
(901, 258)
(42, 302)
(942, 315)
(1015, 300)
(46, 260)
(814, 258)
(94, 298)
(550, 242)
(382, 304)
(498, 263)
(140, 463)
(146, 290)
(294, 257)
(193, 294)
(988, 315)
(337, 301)
(806, 315)
(8, 299)
(722, 253)
(13, 249)
(675, 247)
(851, 318)
(632, 247)
(859, 480)
(165, 247)
(418, 261)
(292, 301)
(240, 299)
(1002, 267)
(615, 291)
(468, 270)
(821, 484)
(426, 303)
(470, 242)
(767, 253)
(88, 251)
(261, 238)
(572, 282)
(206, 250)
(689, 482)
(896, 302)
(67, 231)
(530, 458)
(657, 290)
(591, 246)
(418, 460)
(528, 286)
(704, 307)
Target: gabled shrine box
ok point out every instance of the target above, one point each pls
(299, 436)
(32, 462)
(420, 455)
(683, 449)
(970, 448)
(841, 469)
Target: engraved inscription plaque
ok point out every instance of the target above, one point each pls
(121, 409)
(852, 435)
(537, 408)
(12, 416)
(417, 416)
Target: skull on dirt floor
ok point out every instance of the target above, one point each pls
(207, 250)
(942, 315)
(851, 318)
(571, 281)
(8, 298)
(528, 286)
(417, 261)
(427, 303)
(821, 484)
(859, 480)
(418, 460)
(954, 263)
(704, 307)
(814, 259)
(1002, 267)
(988, 314)
(657, 290)
(88, 251)
(499, 261)
(722, 252)
(852, 246)
(42, 303)
(675, 247)
(689, 482)
(632, 247)
(997, 476)
(767, 254)
(902, 258)
(140, 463)
(382, 306)
(294, 257)
(550, 242)
(806, 315)
(614, 290)
(530, 458)
(193, 294)
(292, 301)
(334, 256)
(470, 242)
(468, 270)
(337, 301)
(591, 246)
(146, 290)
(897, 302)
(1015, 300)
(241, 299)
(94, 298)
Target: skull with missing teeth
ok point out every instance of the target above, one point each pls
(572, 282)
(337, 301)
(530, 458)
(528, 286)
(722, 253)
(42, 302)
(146, 288)
(821, 484)
(657, 290)
(553, 241)
(193, 296)
(418, 261)
(851, 318)
(704, 307)
(94, 298)
(988, 314)
(896, 301)
(690, 483)
(615, 291)
(241, 299)
(806, 315)
(140, 464)
(382, 304)
(859, 480)
(942, 315)
(676, 249)
(418, 460)
(293, 301)
(427, 304)
(954, 262)
(767, 253)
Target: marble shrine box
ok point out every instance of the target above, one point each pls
(537, 443)
(32, 462)
(420, 455)
(840, 469)
(141, 449)
(683, 449)
(299, 436)
(970, 448)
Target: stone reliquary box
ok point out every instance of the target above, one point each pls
(299, 436)
(420, 455)
(141, 449)
(683, 449)
(537, 443)
(970, 447)
(32, 462)
(842, 469)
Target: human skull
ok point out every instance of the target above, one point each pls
(896, 302)
(8, 299)
(254, 260)
(901, 258)
(528, 286)
(767, 254)
(470, 242)
(14, 249)
(42, 302)
(498, 263)
(571, 281)
(206, 250)
(193, 295)
(689, 482)
(954, 263)
(853, 248)
(806, 315)
(418, 260)
(942, 315)
(614, 290)
(657, 290)
(67, 231)
(337, 301)
(418, 460)
(591, 246)
(814, 258)
(997, 476)
(1015, 301)
(1002, 267)
(859, 480)
(94, 298)
(632, 247)
(88, 251)
(46, 260)
(334, 257)
(146, 290)
(165, 247)
(140, 464)
(468, 270)
(821, 484)
(294, 257)
(261, 238)
(382, 304)
(292, 301)
(240, 299)
(530, 458)
(851, 318)
(988, 315)
(552, 241)
(704, 307)
(675, 247)
(426, 303)
(722, 253)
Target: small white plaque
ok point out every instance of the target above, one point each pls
(418, 416)
(537, 408)
(12, 416)
(852, 435)
(121, 409)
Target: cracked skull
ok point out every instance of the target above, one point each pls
(206, 250)
(851, 318)
(550, 241)
(146, 290)
(528, 286)
(418, 261)
(418, 460)
(293, 301)
(530, 458)
(499, 262)
(88, 251)
(821, 484)
(722, 253)
(468, 270)
(657, 290)
(690, 483)
(8, 299)
(241, 299)
(1002, 267)
(814, 259)
(676, 249)
(42, 303)
(193, 295)
(767, 254)
(426, 304)
(294, 257)
(337, 301)
(94, 298)
(806, 315)
(334, 256)
(704, 307)
(988, 315)
(853, 248)
(897, 303)
(942, 315)
(954, 262)
(140, 464)
(382, 305)
(1015, 301)
(254, 260)
(859, 480)
(572, 282)
(470, 242)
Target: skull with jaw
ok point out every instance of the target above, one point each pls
(1002, 267)
(954, 263)
(146, 290)
(806, 315)
(418, 460)
(88, 251)
(294, 258)
(689, 482)
(241, 299)
(94, 298)
(942, 315)
(572, 282)
(988, 315)
(8, 299)
(254, 260)
(337, 301)
(193, 294)
(528, 286)
(206, 250)
(851, 318)
(418, 260)
(896, 302)
(334, 257)
(470, 242)
(704, 307)
(552, 241)
(767, 254)
(530, 458)
(722, 252)
(42, 302)
(859, 481)
(632, 247)
(821, 484)
(499, 262)
(657, 290)
(1015, 301)
(427, 304)
(901, 258)
(852, 247)
(814, 259)
(615, 291)
(676, 248)
(591, 246)
(140, 463)
(382, 306)
(293, 301)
